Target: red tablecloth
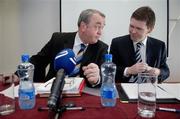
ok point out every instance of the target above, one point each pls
(93, 110)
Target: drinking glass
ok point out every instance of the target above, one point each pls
(7, 99)
(147, 95)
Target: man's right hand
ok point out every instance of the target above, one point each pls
(9, 78)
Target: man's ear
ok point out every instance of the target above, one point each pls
(83, 26)
(150, 29)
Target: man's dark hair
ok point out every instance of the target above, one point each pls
(145, 14)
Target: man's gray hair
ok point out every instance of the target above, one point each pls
(86, 15)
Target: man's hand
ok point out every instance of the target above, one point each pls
(153, 71)
(137, 68)
(9, 78)
(91, 72)
(143, 67)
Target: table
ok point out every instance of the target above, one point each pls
(93, 110)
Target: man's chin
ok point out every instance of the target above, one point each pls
(134, 39)
(93, 42)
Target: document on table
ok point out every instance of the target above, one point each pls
(164, 91)
(73, 87)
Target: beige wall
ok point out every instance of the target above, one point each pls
(0, 35)
(25, 26)
(9, 35)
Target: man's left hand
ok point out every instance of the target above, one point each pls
(153, 71)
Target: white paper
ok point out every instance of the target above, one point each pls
(164, 90)
(8, 92)
(71, 85)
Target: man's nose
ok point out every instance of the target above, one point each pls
(133, 30)
(99, 31)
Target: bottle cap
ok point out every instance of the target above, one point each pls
(25, 58)
(108, 57)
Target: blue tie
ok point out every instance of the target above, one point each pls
(78, 61)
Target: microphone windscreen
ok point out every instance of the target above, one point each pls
(65, 60)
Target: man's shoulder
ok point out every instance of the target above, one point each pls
(156, 41)
(98, 45)
(101, 43)
(64, 34)
(62, 37)
(121, 39)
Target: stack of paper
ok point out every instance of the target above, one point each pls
(73, 87)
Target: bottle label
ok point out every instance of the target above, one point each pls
(26, 94)
(108, 93)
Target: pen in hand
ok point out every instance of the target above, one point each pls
(168, 109)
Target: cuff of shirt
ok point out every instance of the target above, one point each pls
(97, 83)
(125, 72)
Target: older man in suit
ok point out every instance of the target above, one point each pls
(90, 25)
(137, 52)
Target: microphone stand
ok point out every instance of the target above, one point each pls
(56, 113)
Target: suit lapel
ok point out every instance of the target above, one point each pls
(131, 52)
(88, 54)
(150, 50)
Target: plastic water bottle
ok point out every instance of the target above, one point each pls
(26, 88)
(108, 89)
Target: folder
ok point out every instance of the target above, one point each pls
(165, 92)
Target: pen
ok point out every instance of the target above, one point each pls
(124, 101)
(75, 108)
(162, 88)
(169, 109)
(43, 108)
(67, 108)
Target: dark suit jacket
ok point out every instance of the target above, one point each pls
(59, 41)
(123, 53)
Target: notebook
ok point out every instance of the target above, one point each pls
(73, 87)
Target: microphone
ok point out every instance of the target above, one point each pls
(64, 64)
(65, 60)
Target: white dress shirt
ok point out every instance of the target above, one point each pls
(77, 44)
(142, 52)
(77, 47)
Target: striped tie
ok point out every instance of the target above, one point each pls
(78, 61)
(138, 59)
(138, 52)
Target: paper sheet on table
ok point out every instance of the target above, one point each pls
(164, 91)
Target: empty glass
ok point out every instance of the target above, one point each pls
(7, 99)
(147, 95)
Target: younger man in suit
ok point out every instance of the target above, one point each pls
(90, 25)
(149, 56)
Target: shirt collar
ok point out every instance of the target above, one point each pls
(78, 41)
(143, 41)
